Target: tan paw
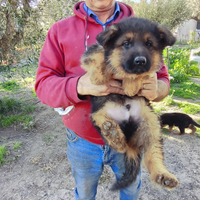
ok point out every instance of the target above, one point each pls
(130, 92)
(177, 133)
(114, 136)
(167, 180)
(98, 80)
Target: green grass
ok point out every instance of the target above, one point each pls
(7, 121)
(9, 105)
(33, 93)
(2, 153)
(189, 108)
(10, 85)
(17, 145)
(165, 131)
(187, 90)
(13, 111)
(48, 138)
(168, 100)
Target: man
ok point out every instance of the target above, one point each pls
(61, 82)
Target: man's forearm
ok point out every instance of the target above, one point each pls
(162, 92)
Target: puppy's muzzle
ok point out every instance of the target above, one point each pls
(140, 61)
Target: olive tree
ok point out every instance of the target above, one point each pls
(168, 12)
(24, 23)
(194, 5)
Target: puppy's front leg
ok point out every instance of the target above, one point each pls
(153, 157)
(132, 86)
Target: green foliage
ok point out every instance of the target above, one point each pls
(165, 131)
(178, 76)
(167, 12)
(179, 66)
(187, 90)
(28, 108)
(33, 93)
(23, 27)
(9, 85)
(168, 100)
(8, 105)
(2, 153)
(13, 111)
(48, 138)
(192, 37)
(189, 108)
(6, 121)
(17, 145)
(193, 69)
(158, 109)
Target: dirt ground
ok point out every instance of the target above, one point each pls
(39, 170)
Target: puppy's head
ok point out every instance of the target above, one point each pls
(135, 45)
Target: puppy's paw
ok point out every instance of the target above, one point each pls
(114, 136)
(130, 92)
(99, 79)
(178, 133)
(166, 179)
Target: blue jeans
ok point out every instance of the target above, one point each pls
(87, 161)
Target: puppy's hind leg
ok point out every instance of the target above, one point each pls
(93, 61)
(193, 129)
(110, 130)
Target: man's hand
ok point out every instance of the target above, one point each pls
(149, 88)
(85, 87)
(154, 89)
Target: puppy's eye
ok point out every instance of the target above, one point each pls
(127, 44)
(148, 43)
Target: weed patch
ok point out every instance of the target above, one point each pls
(17, 145)
(9, 85)
(2, 153)
(48, 138)
(33, 93)
(7, 121)
(13, 111)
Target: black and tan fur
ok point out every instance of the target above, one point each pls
(131, 49)
(180, 120)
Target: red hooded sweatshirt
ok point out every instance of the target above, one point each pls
(59, 68)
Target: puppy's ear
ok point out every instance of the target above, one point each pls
(104, 37)
(166, 37)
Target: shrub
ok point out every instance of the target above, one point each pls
(178, 75)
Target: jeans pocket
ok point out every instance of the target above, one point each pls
(71, 136)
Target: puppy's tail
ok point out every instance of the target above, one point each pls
(132, 169)
(195, 123)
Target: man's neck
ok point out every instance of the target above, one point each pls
(103, 16)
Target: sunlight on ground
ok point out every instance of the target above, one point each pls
(172, 138)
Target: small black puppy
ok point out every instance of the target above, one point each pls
(180, 120)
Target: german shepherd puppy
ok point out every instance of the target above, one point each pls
(181, 120)
(131, 49)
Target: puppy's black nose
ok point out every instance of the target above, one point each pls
(140, 60)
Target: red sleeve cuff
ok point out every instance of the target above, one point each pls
(71, 90)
